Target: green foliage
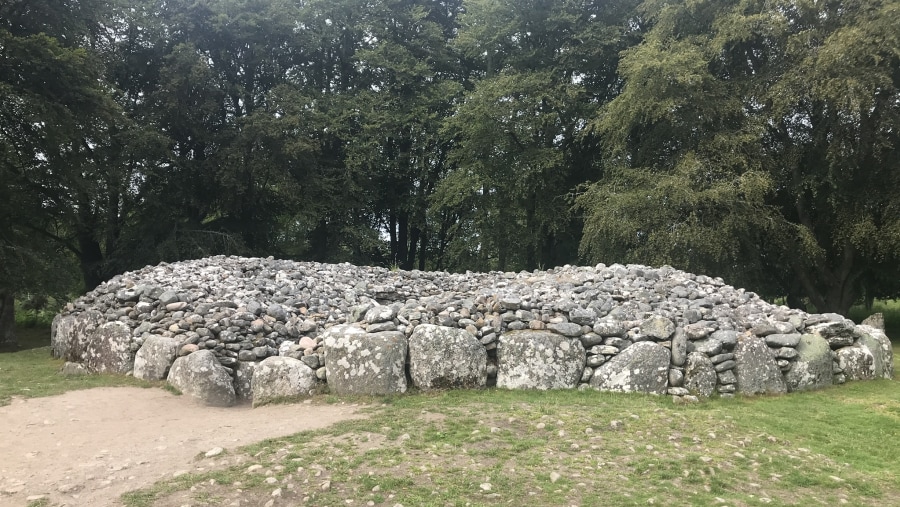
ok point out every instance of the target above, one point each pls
(748, 139)
(738, 147)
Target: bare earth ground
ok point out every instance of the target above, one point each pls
(88, 447)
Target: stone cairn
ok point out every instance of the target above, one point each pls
(226, 329)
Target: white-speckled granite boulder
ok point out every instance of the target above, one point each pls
(109, 349)
(539, 360)
(881, 348)
(699, 375)
(813, 367)
(71, 334)
(446, 358)
(200, 376)
(357, 362)
(640, 368)
(755, 368)
(856, 361)
(155, 357)
(281, 377)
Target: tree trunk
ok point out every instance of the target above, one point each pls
(90, 258)
(7, 319)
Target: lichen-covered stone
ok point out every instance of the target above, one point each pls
(73, 334)
(109, 349)
(657, 327)
(838, 334)
(699, 375)
(813, 367)
(357, 362)
(755, 368)
(200, 376)
(726, 337)
(881, 348)
(875, 320)
(243, 380)
(856, 362)
(641, 368)
(539, 360)
(281, 377)
(155, 357)
(445, 358)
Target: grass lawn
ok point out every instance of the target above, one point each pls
(525, 448)
(30, 371)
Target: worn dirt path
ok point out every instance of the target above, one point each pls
(88, 447)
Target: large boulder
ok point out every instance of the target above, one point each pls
(857, 362)
(881, 348)
(200, 376)
(755, 370)
(642, 368)
(109, 349)
(281, 377)
(699, 374)
(357, 362)
(445, 357)
(539, 360)
(813, 367)
(155, 357)
(72, 335)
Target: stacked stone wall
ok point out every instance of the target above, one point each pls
(372, 330)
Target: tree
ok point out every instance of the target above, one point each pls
(54, 115)
(542, 69)
(412, 81)
(757, 141)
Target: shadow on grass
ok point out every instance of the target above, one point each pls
(28, 338)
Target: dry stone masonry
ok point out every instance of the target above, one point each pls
(223, 329)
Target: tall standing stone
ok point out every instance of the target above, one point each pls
(243, 380)
(679, 347)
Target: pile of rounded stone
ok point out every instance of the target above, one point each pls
(223, 328)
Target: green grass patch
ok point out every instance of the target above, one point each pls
(496, 447)
(31, 372)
